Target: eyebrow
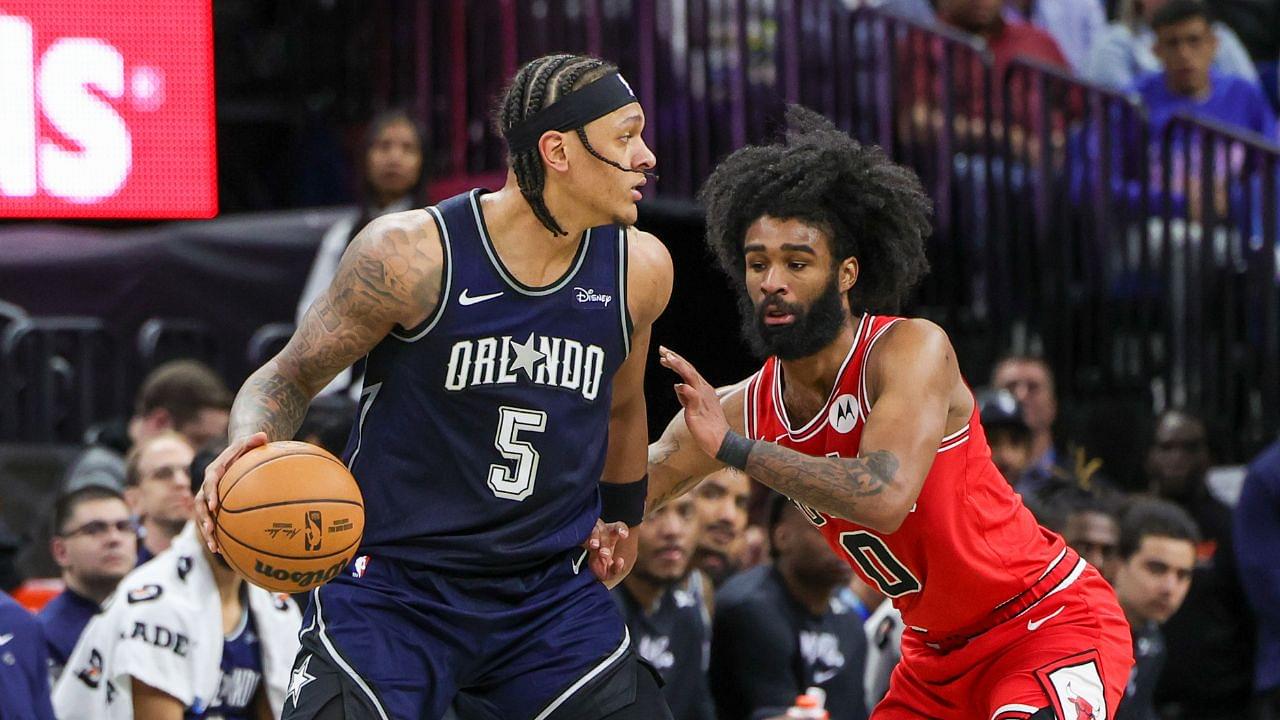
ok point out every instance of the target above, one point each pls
(788, 247)
(633, 118)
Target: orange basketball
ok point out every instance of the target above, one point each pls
(290, 516)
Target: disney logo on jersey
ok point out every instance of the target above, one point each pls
(549, 361)
(590, 296)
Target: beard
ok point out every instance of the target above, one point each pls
(812, 329)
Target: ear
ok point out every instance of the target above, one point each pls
(1213, 41)
(58, 549)
(552, 148)
(849, 269)
(157, 420)
(133, 496)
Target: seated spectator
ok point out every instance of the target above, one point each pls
(183, 636)
(327, 423)
(1006, 39)
(95, 542)
(158, 488)
(183, 396)
(1125, 51)
(1152, 574)
(392, 179)
(1074, 24)
(884, 650)
(1091, 529)
(1031, 383)
(1185, 45)
(780, 629)
(1007, 433)
(1257, 544)
(1209, 671)
(24, 673)
(666, 622)
(721, 499)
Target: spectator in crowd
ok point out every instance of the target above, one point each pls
(1185, 45)
(884, 650)
(780, 628)
(665, 621)
(1031, 383)
(1006, 39)
(328, 422)
(24, 674)
(184, 396)
(1007, 433)
(1074, 24)
(95, 542)
(158, 488)
(1091, 529)
(1125, 52)
(1257, 23)
(184, 637)
(722, 499)
(392, 179)
(1211, 639)
(1152, 574)
(1257, 544)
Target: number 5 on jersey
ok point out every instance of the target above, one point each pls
(503, 482)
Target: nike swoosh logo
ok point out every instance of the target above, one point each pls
(464, 299)
(1034, 625)
(577, 564)
(4, 639)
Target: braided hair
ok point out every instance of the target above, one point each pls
(869, 207)
(539, 84)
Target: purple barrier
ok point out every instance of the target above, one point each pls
(1216, 236)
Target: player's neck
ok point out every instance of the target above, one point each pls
(95, 591)
(158, 536)
(815, 375)
(645, 592)
(814, 598)
(513, 226)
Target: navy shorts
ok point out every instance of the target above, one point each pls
(400, 640)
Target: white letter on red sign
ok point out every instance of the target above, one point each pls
(18, 110)
(67, 70)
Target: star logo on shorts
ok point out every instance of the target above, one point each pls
(301, 678)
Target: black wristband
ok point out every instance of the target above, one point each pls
(734, 450)
(624, 502)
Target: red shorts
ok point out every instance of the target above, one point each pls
(1071, 651)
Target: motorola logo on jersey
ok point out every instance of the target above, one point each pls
(844, 413)
(539, 360)
(101, 117)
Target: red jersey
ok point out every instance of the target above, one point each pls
(967, 546)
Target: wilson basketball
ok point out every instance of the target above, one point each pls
(290, 516)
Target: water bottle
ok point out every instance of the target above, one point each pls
(809, 706)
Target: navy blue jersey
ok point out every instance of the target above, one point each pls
(24, 671)
(241, 674)
(481, 433)
(62, 621)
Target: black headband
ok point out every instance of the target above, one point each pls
(573, 110)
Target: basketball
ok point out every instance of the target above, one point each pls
(290, 516)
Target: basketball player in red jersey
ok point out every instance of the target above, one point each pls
(864, 421)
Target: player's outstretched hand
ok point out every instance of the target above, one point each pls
(207, 498)
(602, 551)
(703, 413)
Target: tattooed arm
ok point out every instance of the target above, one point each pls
(915, 389)
(390, 275)
(676, 463)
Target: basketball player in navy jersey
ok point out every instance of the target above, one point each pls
(502, 418)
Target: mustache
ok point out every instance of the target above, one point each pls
(720, 525)
(775, 302)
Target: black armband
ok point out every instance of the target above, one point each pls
(624, 502)
(734, 450)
